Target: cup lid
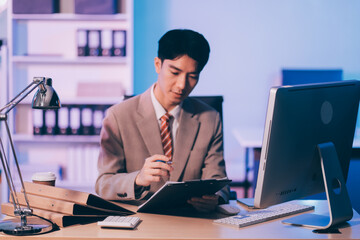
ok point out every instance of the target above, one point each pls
(43, 176)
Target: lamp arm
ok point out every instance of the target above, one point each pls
(23, 228)
(3, 117)
(9, 178)
(23, 94)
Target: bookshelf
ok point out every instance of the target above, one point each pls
(47, 45)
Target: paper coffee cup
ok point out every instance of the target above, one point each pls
(46, 178)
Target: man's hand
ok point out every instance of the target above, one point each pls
(154, 168)
(206, 203)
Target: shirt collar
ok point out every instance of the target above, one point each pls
(159, 110)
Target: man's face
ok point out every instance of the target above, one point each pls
(176, 79)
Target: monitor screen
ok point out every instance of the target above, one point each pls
(298, 119)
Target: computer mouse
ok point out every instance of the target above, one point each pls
(228, 209)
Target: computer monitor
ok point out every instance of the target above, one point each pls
(307, 141)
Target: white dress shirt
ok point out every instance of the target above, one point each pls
(160, 111)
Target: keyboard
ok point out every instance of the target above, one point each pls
(263, 215)
(119, 222)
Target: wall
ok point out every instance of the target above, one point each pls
(251, 41)
(150, 23)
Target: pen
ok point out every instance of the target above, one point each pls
(168, 162)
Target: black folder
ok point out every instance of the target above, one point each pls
(175, 194)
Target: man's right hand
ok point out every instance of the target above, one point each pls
(153, 170)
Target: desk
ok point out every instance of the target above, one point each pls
(154, 226)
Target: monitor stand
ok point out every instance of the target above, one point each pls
(340, 209)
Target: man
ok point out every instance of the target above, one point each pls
(137, 147)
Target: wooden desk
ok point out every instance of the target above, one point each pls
(155, 226)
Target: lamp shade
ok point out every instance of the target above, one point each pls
(46, 97)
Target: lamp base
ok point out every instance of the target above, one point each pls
(34, 226)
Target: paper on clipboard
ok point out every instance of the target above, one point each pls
(175, 194)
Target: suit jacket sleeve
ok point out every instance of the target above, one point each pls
(214, 163)
(113, 181)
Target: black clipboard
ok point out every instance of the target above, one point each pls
(175, 194)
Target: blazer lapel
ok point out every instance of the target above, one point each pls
(186, 136)
(148, 125)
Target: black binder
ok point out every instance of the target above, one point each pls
(175, 194)
(119, 38)
(94, 42)
(82, 42)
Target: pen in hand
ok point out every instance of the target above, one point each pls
(168, 162)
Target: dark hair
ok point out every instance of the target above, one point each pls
(178, 42)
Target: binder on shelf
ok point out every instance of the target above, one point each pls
(73, 168)
(50, 122)
(75, 120)
(38, 121)
(95, 6)
(60, 219)
(94, 43)
(36, 6)
(82, 42)
(106, 43)
(86, 121)
(98, 115)
(89, 164)
(119, 37)
(63, 120)
(74, 196)
(95, 151)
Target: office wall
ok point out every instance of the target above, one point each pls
(251, 41)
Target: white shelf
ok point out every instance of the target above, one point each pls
(56, 139)
(70, 17)
(62, 60)
(93, 101)
(83, 101)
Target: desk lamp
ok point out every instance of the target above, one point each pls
(45, 98)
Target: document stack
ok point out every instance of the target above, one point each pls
(65, 207)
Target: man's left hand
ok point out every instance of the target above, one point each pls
(206, 203)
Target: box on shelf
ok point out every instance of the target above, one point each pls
(95, 6)
(36, 6)
(113, 89)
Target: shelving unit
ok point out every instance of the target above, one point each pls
(46, 45)
(27, 139)
(59, 60)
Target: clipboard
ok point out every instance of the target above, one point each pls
(175, 194)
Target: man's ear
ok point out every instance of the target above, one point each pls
(157, 63)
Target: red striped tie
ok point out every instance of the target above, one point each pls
(165, 135)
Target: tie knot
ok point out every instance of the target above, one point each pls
(166, 117)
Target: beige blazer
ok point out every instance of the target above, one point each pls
(131, 133)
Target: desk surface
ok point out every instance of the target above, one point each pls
(154, 226)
